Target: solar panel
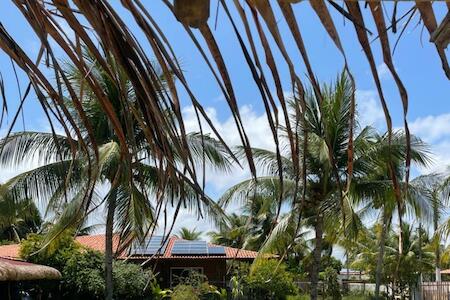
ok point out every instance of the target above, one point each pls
(190, 248)
(150, 246)
(216, 251)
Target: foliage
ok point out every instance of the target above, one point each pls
(157, 292)
(269, 279)
(195, 286)
(232, 233)
(17, 219)
(83, 269)
(404, 268)
(189, 234)
(130, 280)
(330, 278)
(185, 292)
(298, 297)
(83, 274)
(55, 254)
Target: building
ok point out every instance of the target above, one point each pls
(19, 278)
(170, 258)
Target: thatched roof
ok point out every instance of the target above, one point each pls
(14, 270)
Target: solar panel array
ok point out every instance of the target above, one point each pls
(150, 246)
(219, 251)
(154, 245)
(181, 247)
(196, 248)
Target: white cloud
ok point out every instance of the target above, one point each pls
(369, 109)
(431, 128)
(383, 71)
(435, 130)
(256, 127)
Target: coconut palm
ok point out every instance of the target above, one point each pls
(231, 233)
(435, 189)
(328, 131)
(402, 268)
(188, 234)
(66, 176)
(17, 219)
(326, 206)
(376, 191)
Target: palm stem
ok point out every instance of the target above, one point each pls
(109, 245)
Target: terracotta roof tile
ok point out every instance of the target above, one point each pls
(9, 251)
(97, 242)
(230, 253)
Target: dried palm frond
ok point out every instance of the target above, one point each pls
(102, 31)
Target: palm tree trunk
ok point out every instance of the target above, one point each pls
(437, 252)
(379, 269)
(316, 258)
(400, 229)
(109, 246)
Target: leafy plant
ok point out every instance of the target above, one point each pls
(330, 277)
(54, 254)
(83, 275)
(270, 280)
(130, 280)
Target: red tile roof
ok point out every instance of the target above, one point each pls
(230, 253)
(9, 251)
(97, 242)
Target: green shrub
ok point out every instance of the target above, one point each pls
(130, 280)
(83, 275)
(54, 255)
(270, 280)
(330, 278)
(83, 269)
(196, 286)
(185, 292)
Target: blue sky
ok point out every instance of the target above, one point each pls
(415, 59)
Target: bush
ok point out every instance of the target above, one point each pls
(130, 280)
(83, 275)
(270, 280)
(185, 292)
(54, 255)
(83, 269)
(196, 286)
(330, 277)
(298, 297)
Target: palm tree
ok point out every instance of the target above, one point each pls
(66, 175)
(328, 132)
(187, 234)
(327, 206)
(232, 233)
(17, 219)
(434, 188)
(402, 268)
(376, 191)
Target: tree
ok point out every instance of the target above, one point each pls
(327, 202)
(187, 234)
(232, 232)
(434, 189)
(326, 129)
(402, 269)
(17, 219)
(375, 191)
(67, 178)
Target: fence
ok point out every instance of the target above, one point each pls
(359, 287)
(435, 290)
